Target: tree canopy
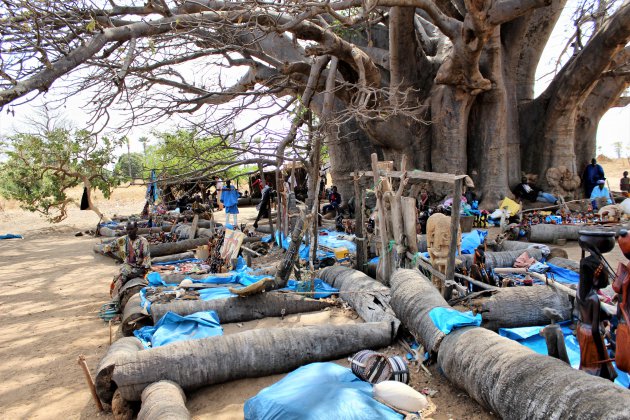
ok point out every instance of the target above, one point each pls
(448, 82)
(40, 169)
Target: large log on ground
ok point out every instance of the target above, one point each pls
(501, 259)
(517, 383)
(158, 250)
(131, 288)
(117, 351)
(412, 298)
(173, 257)
(249, 354)
(550, 233)
(565, 263)
(163, 400)
(239, 309)
(522, 306)
(134, 317)
(516, 245)
(369, 297)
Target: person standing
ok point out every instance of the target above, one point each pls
(592, 173)
(219, 187)
(263, 207)
(229, 198)
(624, 183)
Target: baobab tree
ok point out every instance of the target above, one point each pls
(450, 83)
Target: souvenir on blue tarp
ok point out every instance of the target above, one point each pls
(563, 275)
(448, 319)
(320, 287)
(177, 261)
(530, 337)
(319, 391)
(172, 328)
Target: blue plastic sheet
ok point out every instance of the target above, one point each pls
(472, 239)
(172, 328)
(530, 337)
(11, 236)
(564, 275)
(322, 289)
(448, 319)
(319, 391)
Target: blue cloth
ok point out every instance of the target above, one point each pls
(229, 197)
(331, 240)
(448, 319)
(472, 239)
(546, 197)
(530, 337)
(11, 236)
(172, 328)
(600, 193)
(231, 210)
(564, 275)
(322, 289)
(319, 391)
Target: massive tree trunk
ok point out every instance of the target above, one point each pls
(250, 354)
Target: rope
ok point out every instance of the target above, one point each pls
(390, 246)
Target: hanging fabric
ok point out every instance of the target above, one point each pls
(85, 204)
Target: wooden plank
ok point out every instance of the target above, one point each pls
(193, 228)
(382, 225)
(455, 216)
(358, 224)
(431, 176)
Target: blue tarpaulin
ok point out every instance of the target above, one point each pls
(471, 240)
(448, 319)
(530, 337)
(563, 275)
(322, 289)
(319, 391)
(172, 328)
(11, 236)
(330, 238)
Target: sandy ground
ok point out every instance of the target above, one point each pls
(52, 288)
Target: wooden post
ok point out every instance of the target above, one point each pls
(193, 227)
(90, 382)
(450, 264)
(382, 223)
(358, 225)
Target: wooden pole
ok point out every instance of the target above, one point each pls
(382, 223)
(358, 223)
(90, 382)
(450, 264)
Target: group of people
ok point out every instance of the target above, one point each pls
(593, 182)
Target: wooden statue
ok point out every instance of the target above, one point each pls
(594, 358)
(439, 243)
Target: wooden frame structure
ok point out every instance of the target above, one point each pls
(456, 180)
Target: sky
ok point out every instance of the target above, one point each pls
(614, 126)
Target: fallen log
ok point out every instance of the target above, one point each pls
(517, 383)
(237, 309)
(565, 263)
(158, 250)
(369, 297)
(118, 351)
(550, 233)
(173, 257)
(501, 259)
(134, 316)
(507, 377)
(163, 400)
(413, 296)
(516, 245)
(512, 307)
(131, 288)
(248, 354)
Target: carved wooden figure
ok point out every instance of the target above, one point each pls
(439, 242)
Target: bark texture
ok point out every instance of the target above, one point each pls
(369, 297)
(118, 351)
(521, 307)
(238, 309)
(250, 354)
(517, 383)
(163, 400)
(413, 297)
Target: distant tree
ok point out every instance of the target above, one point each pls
(135, 161)
(618, 148)
(39, 169)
